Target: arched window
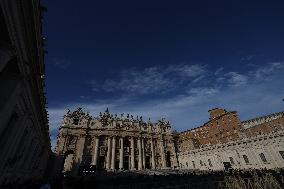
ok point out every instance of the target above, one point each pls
(263, 158)
(282, 154)
(209, 162)
(232, 160)
(246, 159)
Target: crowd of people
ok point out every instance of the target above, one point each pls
(182, 179)
(174, 179)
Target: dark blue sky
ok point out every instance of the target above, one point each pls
(165, 58)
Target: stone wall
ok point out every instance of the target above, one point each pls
(222, 127)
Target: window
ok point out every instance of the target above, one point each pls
(209, 161)
(282, 154)
(232, 160)
(246, 159)
(75, 121)
(186, 164)
(201, 163)
(193, 164)
(263, 158)
(71, 140)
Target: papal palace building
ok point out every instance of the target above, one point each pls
(112, 142)
(24, 132)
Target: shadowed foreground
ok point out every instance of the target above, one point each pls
(177, 180)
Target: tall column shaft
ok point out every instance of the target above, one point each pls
(143, 154)
(132, 154)
(113, 153)
(140, 154)
(163, 153)
(80, 149)
(153, 165)
(121, 154)
(108, 153)
(96, 150)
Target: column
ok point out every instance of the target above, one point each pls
(140, 154)
(95, 152)
(143, 154)
(162, 154)
(108, 153)
(132, 154)
(113, 153)
(79, 153)
(60, 145)
(80, 148)
(121, 154)
(153, 166)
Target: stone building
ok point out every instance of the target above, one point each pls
(24, 132)
(261, 151)
(113, 142)
(259, 143)
(222, 127)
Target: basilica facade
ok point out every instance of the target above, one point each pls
(112, 142)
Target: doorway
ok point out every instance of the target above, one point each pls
(168, 159)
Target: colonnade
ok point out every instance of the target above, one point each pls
(110, 161)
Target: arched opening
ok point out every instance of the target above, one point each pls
(101, 162)
(168, 159)
(126, 150)
(147, 162)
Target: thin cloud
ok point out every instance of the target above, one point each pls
(61, 63)
(153, 79)
(236, 79)
(265, 71)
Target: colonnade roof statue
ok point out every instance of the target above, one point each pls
(80, 119)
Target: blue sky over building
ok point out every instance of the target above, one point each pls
(173, 59)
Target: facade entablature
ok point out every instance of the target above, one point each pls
(106, 121)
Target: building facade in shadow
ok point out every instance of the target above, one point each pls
(24, 132)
